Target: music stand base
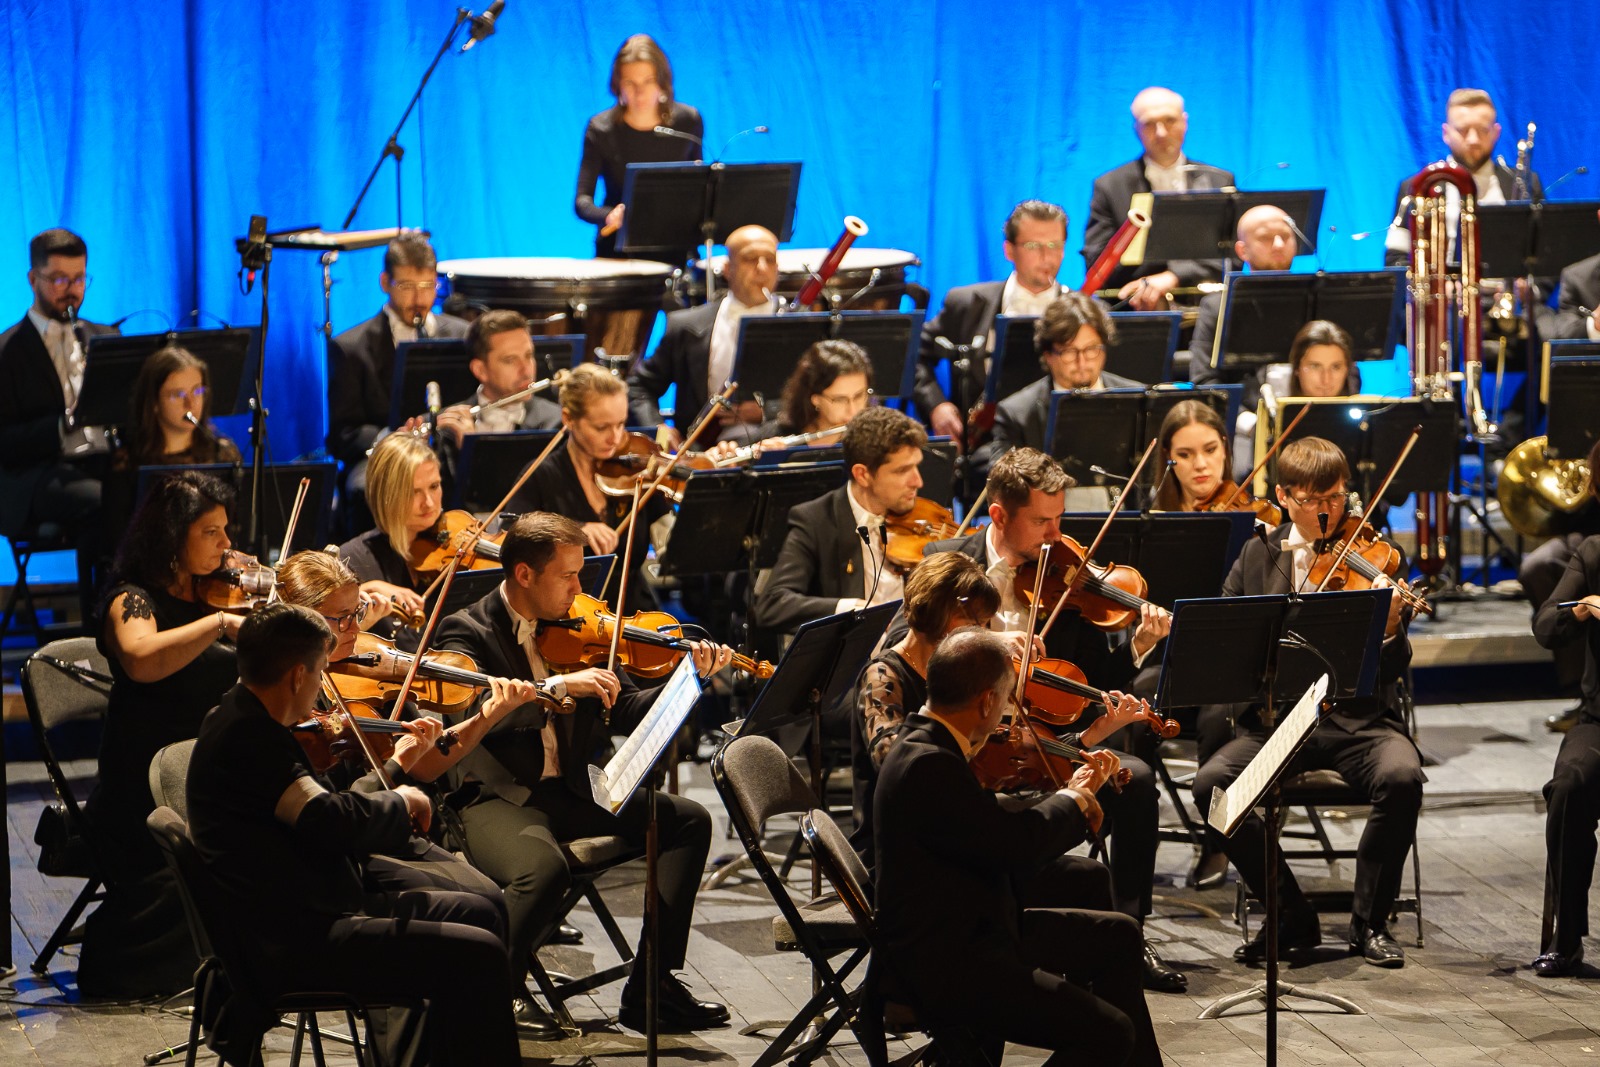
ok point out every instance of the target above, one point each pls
(1258, 992)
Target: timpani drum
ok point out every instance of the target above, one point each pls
(612, 302)
(795, 266)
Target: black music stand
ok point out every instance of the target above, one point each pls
(1182, 555)
(938, 470)
(1564, 349)
(681, 205)
(491, 463)
(112, 363)
(280, 484)
(1574, 399)
(561, 351)
(1204, 223)
(1263, 310)
(1109, 428)
(1526, 239)
(416, 363)
(1371, 432)
(737, 517)
(1014, 364)
(1144, 345)
(769, 346)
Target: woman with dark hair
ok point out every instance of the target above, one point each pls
(1195, 443)
(641, 83)
(1322, 361)
(830, 385)
(170, 664)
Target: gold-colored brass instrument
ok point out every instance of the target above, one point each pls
(1535, 491)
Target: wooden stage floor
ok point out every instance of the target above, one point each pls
(1467, 998)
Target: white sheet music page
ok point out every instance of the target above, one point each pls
(1230, 806)
(616, 782)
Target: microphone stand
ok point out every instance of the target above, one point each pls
(392, 146)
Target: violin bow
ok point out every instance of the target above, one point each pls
(1277, 443)
(288, 534)
(622, 594)
(1094, 546)
(471, 533)
(1026, 672)
(719, 401)
(447, 576)
(1416, 602)
(355, 728)
(972, 512)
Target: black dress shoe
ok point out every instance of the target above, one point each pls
(1160, 978)
(1297, 931)
(566, 935)
(534, 1023)
(1559, 964)
(676, 1009)
(1376, 946)
(1210, 870)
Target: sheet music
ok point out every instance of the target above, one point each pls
(616, 782)
(1230, 806)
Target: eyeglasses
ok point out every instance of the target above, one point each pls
(1072, 352)
(1326, 500)
(411, 288)
(1042, 246)
(58, 282)
(177, 396)
(349, 618)
(854, 398)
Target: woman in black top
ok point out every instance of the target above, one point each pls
(641, 81)
(404, 492)
(170, 664)
(830, 385)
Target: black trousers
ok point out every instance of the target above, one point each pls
(427, 866)
(1378, 760)
(517, 847)
(1573, 793)
(1132, 827)
(1541, 569)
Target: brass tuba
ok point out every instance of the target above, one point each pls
(1535, 490)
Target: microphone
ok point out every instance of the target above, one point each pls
(668, 131)
(483, 25)
(118, 323)
(198, 312)
(1568, 176)
(419, 323)
(1322, 523)
(430, 393)
(1282, 165)
(742, 133)
(1156, 492)
(865, 533)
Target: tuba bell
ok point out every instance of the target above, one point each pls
(1537, 492)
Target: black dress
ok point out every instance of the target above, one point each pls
(136, 943)
(373, 559)
(609, 145)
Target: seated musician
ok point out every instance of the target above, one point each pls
(831, 384)
(1161, 124)
(500, 357)
(1035, 241)
(1577, 314)
(41, 373)
(963, 874)
(699, 344)
(361, 362)
(404, 490)
(833, 555)
(1027, 490)
(1571, 792)
(526, 786)
(1070, 338)
(168, 425)
(170, 663)
(1363, 739)
(1265, 240)
(289, 851)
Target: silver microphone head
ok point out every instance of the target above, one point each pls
(431, 392)
(188, 416)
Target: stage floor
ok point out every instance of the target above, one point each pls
(1467, 998)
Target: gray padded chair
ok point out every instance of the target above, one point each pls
(169, 777)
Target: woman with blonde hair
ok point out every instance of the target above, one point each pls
(404, 492)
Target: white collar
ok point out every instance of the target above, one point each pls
(397, 324)
(862, 516)
(525, 629)
(40, 321)
(1028, 302)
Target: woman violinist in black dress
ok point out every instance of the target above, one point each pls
(404, 491)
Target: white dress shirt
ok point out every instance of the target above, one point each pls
(66, 354)
(504, 419)
(879, 584)
(1173, 179)
(725, 340)
(403, 331)
(1013, 612)
(527, 632)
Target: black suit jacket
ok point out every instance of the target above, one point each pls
(683, 358)
(1580, 289)
(1022, 418)
(968, 313)
(1108, 209)
(819, 565)
(1262, 570)
(939, 830)
(361, 377)
(487, 633)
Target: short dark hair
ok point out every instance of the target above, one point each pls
(533, 537)
(1067, 314)
(1313, 463)
(409, 250)
(941, 583)
(1321, 332)
(968, 663)
(820, 366)
(279, 637)
(1039, 211)
(155, 535)
(1015, 476)
(55, 242)
(492, 324)
(875, 434)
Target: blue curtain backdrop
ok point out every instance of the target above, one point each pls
(157, 128)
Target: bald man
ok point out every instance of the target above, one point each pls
(697, 347)
(1265, 240)
(1161, 124)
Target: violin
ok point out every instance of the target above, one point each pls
(1355, 557)
(455, 531)
(327, 740)
(1017, 757)
(446, 681)
(1230, 497)
(641, 460)
(926, 522)
(1057, 693)
(652, 642)
(1109, 596)
(242, 583)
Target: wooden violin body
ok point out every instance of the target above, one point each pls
(242, 583)
(327, 739)
(640, 461)
(651, 644)
(1229, 497)
(927, 521)
(1108, 596)
(456, 531)
(446, 681)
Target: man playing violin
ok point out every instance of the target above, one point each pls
(289, 852)
(1027, 490)
(525, 788)
(1364, 738)
(966, 874)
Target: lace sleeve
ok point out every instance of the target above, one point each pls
(881, 704)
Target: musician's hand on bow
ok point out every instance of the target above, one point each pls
(1019, 641)
(601, 537)
(946, 421)
(1587, 608)
(593, 682)
(1154, 624)
(417, 806)
(419, 738)
(405, 599)
(709, 658)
